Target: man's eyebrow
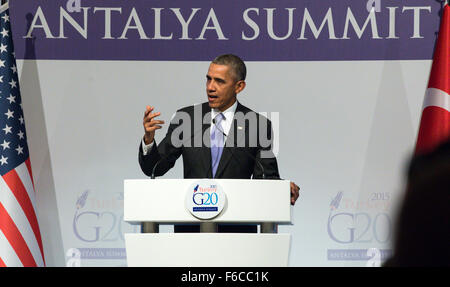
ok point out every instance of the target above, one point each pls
(216, 79)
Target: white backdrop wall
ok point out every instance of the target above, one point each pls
(344, 127)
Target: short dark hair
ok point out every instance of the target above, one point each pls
(236, 64)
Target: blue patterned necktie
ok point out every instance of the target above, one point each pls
(217, 142)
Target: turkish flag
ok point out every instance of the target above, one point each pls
(435, 123)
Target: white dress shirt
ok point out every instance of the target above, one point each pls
(225, 124)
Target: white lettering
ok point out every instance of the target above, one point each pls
(359, 31)
(184, 24)
(270, 23)
(64, 15)
(327, 20)
(134, 16)
(416, 10)
(392, 17)
(216, 26)
(158, 35)
(39, 16)
(251, 23)
(107, 19)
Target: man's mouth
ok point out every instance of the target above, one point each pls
(212, 97)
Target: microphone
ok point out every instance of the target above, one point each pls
(260, 165)
(156, 165)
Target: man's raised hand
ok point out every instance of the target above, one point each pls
(151, 124)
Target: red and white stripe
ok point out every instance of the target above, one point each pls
(20, 238)
(435, 123)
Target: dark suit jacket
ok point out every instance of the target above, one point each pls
(249, 139)
(245, 143)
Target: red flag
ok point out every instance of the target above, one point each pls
(435, 123)
(20, 237)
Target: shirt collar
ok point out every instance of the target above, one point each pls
(228, 113)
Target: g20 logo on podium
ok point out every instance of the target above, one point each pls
(205, 199)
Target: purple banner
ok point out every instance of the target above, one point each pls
(199, 30)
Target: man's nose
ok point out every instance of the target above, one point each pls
(210, 86)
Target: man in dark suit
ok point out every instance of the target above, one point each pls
(217, 139)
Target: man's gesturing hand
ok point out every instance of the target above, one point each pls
(295, 192)
(150, 124)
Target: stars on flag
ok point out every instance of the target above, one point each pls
(3, 48)
(3, 160)
(13, 145)
(13, 84)
(7, 129)
(4, 32)
(11, 99)
(9, 114)
(5, 144)
(5, 18)
(19, 150)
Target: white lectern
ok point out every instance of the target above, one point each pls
(163, 201)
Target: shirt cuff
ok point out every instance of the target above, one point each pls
(146, 147)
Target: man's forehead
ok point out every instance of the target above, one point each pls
(219, 70)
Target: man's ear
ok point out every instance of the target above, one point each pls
(240, 85)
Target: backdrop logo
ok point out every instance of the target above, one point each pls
(362, 223)
(205, 199)
(99, 228)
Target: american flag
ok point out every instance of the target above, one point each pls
(20, 238)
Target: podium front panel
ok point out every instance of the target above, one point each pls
(247, 201)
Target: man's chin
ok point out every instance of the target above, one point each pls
(213, 105)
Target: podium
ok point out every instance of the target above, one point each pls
(166, 201)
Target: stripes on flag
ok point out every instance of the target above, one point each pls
(27, 162)
(2, 264)
(16, 186)
(18, 220)
(15, 238)
(7, 253)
